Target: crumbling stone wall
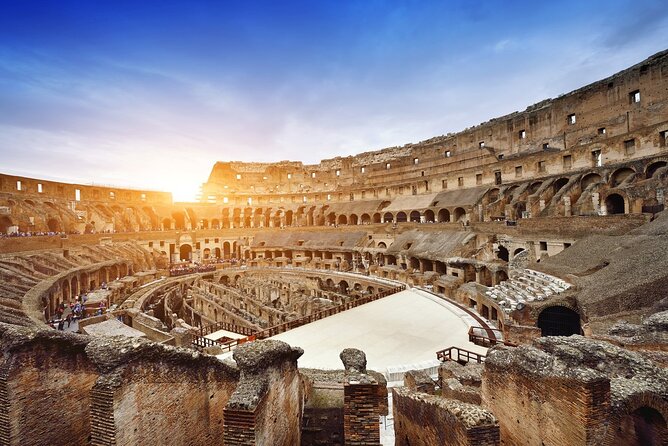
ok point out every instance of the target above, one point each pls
(421, 419)
(152, 394)
(267, 405)
(45, 379)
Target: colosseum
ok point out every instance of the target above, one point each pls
(516, 272)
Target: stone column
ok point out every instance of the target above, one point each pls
(361, 401)
(567, 206)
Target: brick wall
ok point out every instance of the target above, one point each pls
(361, 413)
(542, 410)
(426, 420)
(44, 394)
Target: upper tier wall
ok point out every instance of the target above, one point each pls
(600, 116)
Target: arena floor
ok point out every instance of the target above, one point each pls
(401, 331)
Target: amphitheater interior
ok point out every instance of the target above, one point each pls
(127, 318)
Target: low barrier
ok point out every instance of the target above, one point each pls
(200, 342)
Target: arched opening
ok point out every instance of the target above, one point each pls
(444, 216)
(5, 224)
(179, 220)
(366, 219)
(559, 184)
(620, 176)
(559, 321)
(460, 214)
(644, 426)
(401, 217)
(376, 217)
(520, 208)
(331, 218)
(502, 253)
(492, 195)
(353, 219)
(288, 218)
(429, 216)
(216, 253)
(215, 224)
(185, 252)
(247, 221)
(652, 168)
(204, 224)
(343, 287)
(226, 250)
(53, 225)
(614, 203)
(388, 217)
(342, 220)
(206, 253)
(415, 217)
(382, 245)
(517, 251)
(589, 179)
(534, 187)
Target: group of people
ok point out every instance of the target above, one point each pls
(32, 234)
(187, 268)
(75, 310)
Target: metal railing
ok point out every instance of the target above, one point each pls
(459, 355)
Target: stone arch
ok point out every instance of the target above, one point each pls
(388, 217)
(204, 223)
(366, 219)
(343, 287)
(558, 320)
(533, 188)
(589, 179)
(167, 224)
(376, 217)
(54, 225)
(216, 253)
(288, 218)
(429, 216)
(185, 252)
(518, 251)
(353, 220)
(382, 245)
(414, 216)
(615, 204)
(5, 224)
(74, 284)
(206, 253)
(401, 217)
(342, 220)
(179, 220)
(492, 195)
(460, 214)
(215, 224)
(502, 254)
(652, 168)
(331, 218)
(643, 422)
(621, 175)
(226, 250)
(559, 184)
(444, 216)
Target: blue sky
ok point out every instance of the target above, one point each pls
(151, 94)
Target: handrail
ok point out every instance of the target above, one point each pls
(490, 339)
(462, 355)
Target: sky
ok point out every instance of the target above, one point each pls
(150, 94)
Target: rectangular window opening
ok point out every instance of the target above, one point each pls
(630, 146)
(518, 171)
(571, 119)
(601, 131)
(40, 189)
(634, 97)
(568, 161)
(522, 134)
(596, 158)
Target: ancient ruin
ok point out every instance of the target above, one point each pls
(127, 318)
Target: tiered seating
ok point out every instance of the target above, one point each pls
(524, 287)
